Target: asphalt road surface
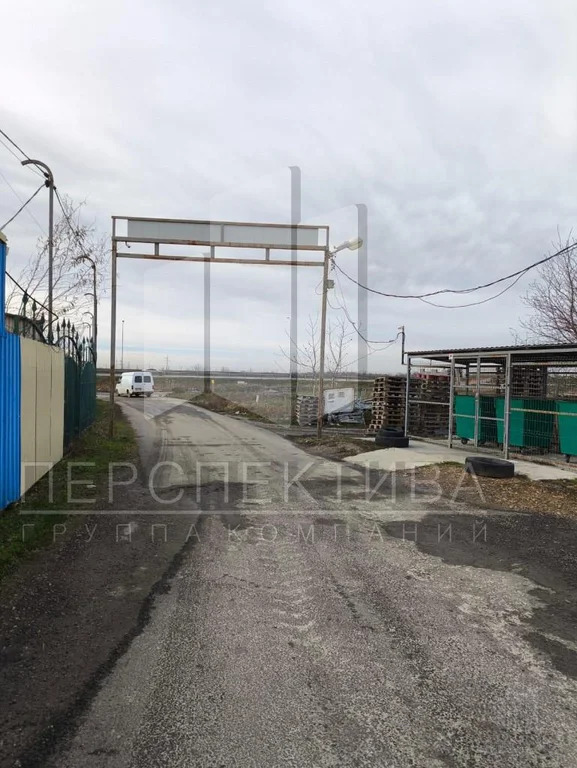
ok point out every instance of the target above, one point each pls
(305, 626)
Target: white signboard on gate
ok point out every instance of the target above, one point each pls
(226, 233)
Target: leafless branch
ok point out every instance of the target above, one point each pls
(552, 299)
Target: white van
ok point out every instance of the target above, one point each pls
(135, 383)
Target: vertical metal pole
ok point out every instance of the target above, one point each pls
(407, 393)
(2, 282)
(322, 345)
(362, 294)
(295, 172)
(112, 336)
(402, 330)
(451, 400)
(122, 349)
(207, 384)
(95, 316)
(477, 399)
(48, 175)
(507, 407)
(50, 256)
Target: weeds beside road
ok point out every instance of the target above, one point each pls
(93, 447)
(219, 404)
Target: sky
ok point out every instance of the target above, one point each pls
(454, 123)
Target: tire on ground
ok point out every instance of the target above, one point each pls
(391, 441)
(486, 466)
(391, 432)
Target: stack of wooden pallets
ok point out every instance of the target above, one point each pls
(429, 409)
(307, 410)
(388, 403)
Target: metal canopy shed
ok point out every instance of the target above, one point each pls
(520, 398)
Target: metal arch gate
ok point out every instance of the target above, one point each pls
(219, 234)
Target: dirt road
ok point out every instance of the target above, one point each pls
(310, 624)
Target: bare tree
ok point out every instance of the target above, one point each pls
(552, 299)
(71, 279)
(339, 341)
(307, 355)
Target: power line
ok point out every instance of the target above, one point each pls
(474, 303)
(343, 307)
(28, 211)
(31, 167)
(519, 273)
(372, 352)
(14, 144)
(9, 150)
(24, 291)
(74, 231)
(22, 207)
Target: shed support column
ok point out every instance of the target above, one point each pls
(407, 391)
(451, 399)
(507, 407)
(477, 401)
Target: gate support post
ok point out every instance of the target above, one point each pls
(112, 332)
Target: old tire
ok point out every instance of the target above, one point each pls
(391, 432)
(486, 466)
(392, 441)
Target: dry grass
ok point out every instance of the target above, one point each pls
(333, 446)
(220, 404)
(518, 494)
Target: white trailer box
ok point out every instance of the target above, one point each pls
(339, 400)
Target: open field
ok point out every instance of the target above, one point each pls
(267, 396)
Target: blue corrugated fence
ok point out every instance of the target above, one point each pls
(10, 395)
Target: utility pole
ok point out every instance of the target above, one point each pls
(402, 330)
(321, 409)
(122, 349)
(352, 245)
(50, 184)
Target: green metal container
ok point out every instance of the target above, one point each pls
(567, 427)
(465, 418)
(528, 428)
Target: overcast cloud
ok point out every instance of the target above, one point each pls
(455, 123)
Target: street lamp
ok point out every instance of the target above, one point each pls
(352, 244)
(50, 184)
(86, 257)
(91, 325)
